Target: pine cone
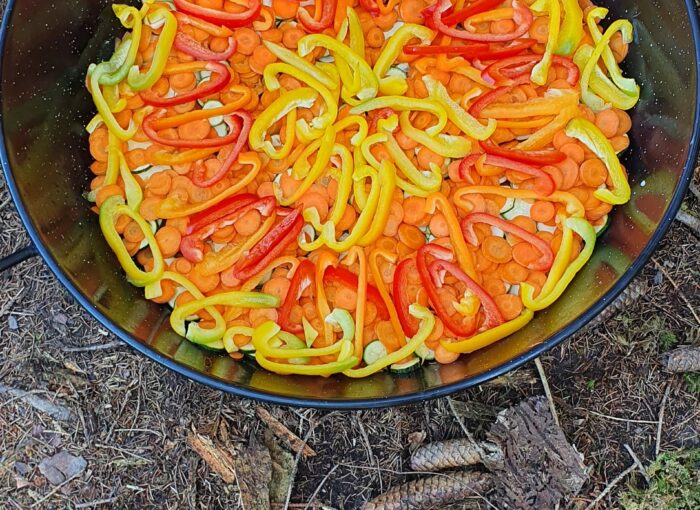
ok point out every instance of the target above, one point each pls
(683, 359)
(454, 453)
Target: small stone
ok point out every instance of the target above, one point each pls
(12, 322)
(658, 278)
(21, 468)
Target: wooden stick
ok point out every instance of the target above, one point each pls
(282, 432)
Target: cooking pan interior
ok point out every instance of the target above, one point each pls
(44, 110)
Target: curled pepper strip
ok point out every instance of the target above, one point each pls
(447, 146)
(216, 16)
(325, 261)
(233, 298)
(573, 205)
(490, 336)
(212, 86)
(536, 158)
(427, 323)
(103, 106)
(547, 257)
(303, 278)
(132, 189)
(406, 104)
(601, 85)
(457, 115)
(288, 352)
(547, 296)
(215, 30)
(522, 18)
(382, 289)
(327, 8)
(409, 324)
(439, 201)
(199, 174)
(395, 85)
(589, 134)
(110, 210)
(130, 18)
(306, 132)
(545, 135)
(571, 31)
(232, 136)
(303, 97)
(140, 81)
(541, 69)
(369, 85)
(344, 184)
(191, 47)
(297, 62)
(552, 103)
(545, 182)
(387, 185)
(587, 96)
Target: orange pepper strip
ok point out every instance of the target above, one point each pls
(188, 156)
(464, 256)
(325, 260)
(357, 254)
(256, 279)
(173, 208)
(381, 287)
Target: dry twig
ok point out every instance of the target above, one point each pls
(282, 432)
(662, 410)
(547, 391)
(218, 459)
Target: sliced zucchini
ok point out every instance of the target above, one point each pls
(141, 169)
(374, 351)
(425, 353)
(405, 368)
(248, 349)
(210, 105)
(519, 208)
(217, 347)
(600, 229)
(508, 206)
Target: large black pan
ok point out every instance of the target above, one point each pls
(47, 47)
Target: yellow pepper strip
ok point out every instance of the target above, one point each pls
(397, 85)
(571, 31)
(552, 103)
(301, 165)
(587, 96)
(381, 287)
(255, 280)
(627, 85)
(110, 210)
(543, 137)
(426, 183)
(113, 162)
(187, 156)
(447, 146)
(211, 340)
(290, 135)
(601, 85)
(490, 336)
(492, 15)
(105, 111)
(319, 123)
(427, 323)
(237, 299)
(369, 84)
(303, 97)
(264, 344)
(132, 189)
(541, 70)
(406, 104)
(459, 117)
(387, 184)
(296, 61)
(173, 208)
(130, 18)
(357, 254)
(459, 245)
(216, 262)
(573, 205)
(325, 260)
(353, 120)
(268, 331)
(589, 134)
(561, 262)
(357, 35)
(353, 26)
(366, 148)
(141, 81)
(183, 118)
(323, 157)
(344, 183)
(584, 229)
(359, 190)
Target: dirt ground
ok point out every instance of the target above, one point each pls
(129, 418)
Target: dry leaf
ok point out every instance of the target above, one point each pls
(61, 467)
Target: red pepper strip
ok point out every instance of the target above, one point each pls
(192, 245)
(431, 285)
(502, 71)
(476, 8)
(546, 188)
(493, 95)
(234, 134)
(377, 115)
(224, 208)
(270, 246)
(228, 19)
(200, 171)
(537, 158)
(349, 279)
(492, 314)
(303, 278)
(327, 16)
(545, 261)
(370, 6)
(409, 323)
(476, 50)
(522, 17)
(189, 46)
(212, 86)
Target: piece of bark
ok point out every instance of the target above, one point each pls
(454, 453)
(282, 468)
(435, 491)
(53, 409)
(253, 467)
(683, 359)
(540, 469)
(282, 432)
(217, 458)
(61, 467)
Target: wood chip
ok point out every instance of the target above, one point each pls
(253, 466)
(217, 458)
(282, 432)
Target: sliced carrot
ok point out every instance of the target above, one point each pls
(411, 236)
(386, 335)
(99, 142)
(168, 238)
(539, 30)
(496, 249)
(249, 223)
(593, 172)
(509, 305)
(494, 286)
(346, 298)
(159, 183)
(542, 211)
(569, 170)
(133, 232)
(445, 357)
(608, 122)
(195, 130)
(525, 254)
(410, 11)
(260, 59)
(374, 37)
(246, 40)
(107, 191)
(414, 210)
(315, 200)
(277, 287)
(574, 151)
(513, 272)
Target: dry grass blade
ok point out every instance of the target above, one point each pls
(218, 459)
(454, 453)
(282, 432)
